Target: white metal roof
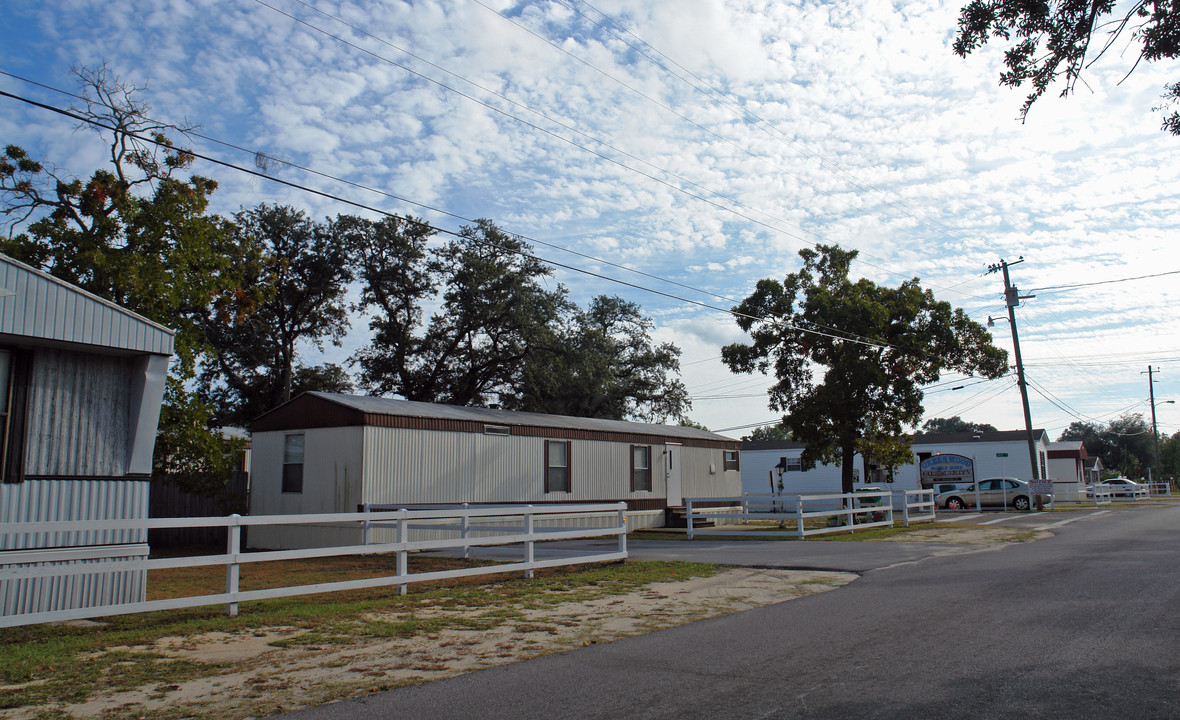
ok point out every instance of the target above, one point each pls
(34, 304)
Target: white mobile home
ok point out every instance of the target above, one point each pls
(323, 453)
(988, 454)
(81, 383)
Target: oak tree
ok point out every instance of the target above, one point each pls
(872, 347)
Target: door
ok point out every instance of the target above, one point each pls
(672, 475)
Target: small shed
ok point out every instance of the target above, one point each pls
(81, 384)
(323, 453)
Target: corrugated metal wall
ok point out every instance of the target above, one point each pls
(74, 591)
(57, 500)
(703, 473)
(78, 414)
(424, 466)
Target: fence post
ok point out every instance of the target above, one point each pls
(365, 526)
(688, 517)
(799, 516)
(623, 527)
(232, 568)
(465, 531)
(528, 544)
(403, 555)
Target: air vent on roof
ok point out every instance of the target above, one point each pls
(497, 430)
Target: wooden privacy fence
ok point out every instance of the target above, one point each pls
(850, 511)
(513, 525)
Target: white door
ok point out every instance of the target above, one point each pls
(672, 474)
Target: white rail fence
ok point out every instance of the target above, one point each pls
(450, 529)
(847, 512)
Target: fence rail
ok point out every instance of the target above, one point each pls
(25, 565)
(850, 511)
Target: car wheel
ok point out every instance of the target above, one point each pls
(954, 504)
(1020, 503)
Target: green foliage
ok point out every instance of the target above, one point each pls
(495, 311)
(1124, 444)
(298, 272)
(955, 424)
(604, 364)
(188, 453)
(1052, 40)
(137, 234)
(768, 433)
(876, 346)
(500, 336)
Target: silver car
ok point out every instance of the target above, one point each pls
(993, 492)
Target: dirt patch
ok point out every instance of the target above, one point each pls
(968, 535)
(271, 670)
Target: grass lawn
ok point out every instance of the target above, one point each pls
(69, 662)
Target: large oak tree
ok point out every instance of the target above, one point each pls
(872, 348)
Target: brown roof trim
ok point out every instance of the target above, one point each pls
(308, 412)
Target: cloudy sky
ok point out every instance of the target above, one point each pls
(701, 143)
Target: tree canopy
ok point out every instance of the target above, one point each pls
(955, 424)
(603, 363)
(137, 233)
(1124, 444)
(1058, 40)
(876, 347)
(500, 336)
(299, 271)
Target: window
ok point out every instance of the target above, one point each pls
(731, 460)
(640, 468)
(14, 387)
(497, 430)
(794, 464)
(293, 463)
(557, 466)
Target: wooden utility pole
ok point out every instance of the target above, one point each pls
(1012, 298)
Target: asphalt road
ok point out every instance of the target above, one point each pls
(1080, 625)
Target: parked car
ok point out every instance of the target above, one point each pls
(993, 492)
(1120, 487)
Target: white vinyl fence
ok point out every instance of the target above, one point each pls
(847, 512)
(433, 529)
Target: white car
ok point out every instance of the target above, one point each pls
(1120, 487)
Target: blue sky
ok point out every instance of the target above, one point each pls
(703, 142)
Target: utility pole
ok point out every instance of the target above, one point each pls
(1155, 436)
(1012, 298)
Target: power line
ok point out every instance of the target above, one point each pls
(1063, 288)
(363, 206)
(700, 127)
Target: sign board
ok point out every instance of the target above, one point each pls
(1040, 487)
(946, 468)
(1001, 454)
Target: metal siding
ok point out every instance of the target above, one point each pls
(78, 414)
(73, 591)
(697, 480)
(425, 466)
(72, 499)
(49, 309)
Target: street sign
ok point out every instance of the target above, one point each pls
(1001, 454)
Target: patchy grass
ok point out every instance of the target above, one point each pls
(69, 663)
